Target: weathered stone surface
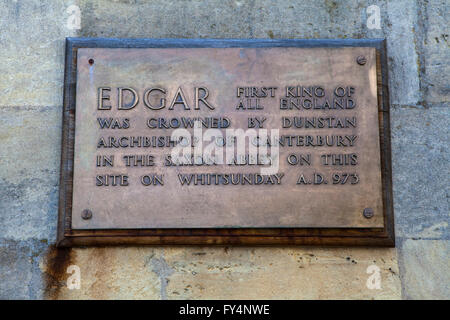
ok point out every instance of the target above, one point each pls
(280, 273)
(105, 273)
(166, 19)
(425, 269)
(330, 19)
(220, 273)
(433, 45)
(29, 175)
(32, 36)
(403, 58)
(420, 158)
(20, 277)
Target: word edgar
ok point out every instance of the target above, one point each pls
(128, 98)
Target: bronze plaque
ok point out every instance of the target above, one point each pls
(228, 137)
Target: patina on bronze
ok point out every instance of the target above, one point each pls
(326, 103)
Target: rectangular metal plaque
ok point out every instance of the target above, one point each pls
(226, 141)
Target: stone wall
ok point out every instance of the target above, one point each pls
(32, 35)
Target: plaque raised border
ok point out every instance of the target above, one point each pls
(66, 236)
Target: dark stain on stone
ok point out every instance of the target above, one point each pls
(57, 261)
(392, 271)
